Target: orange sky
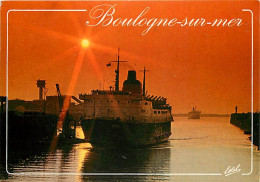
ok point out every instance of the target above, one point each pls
(207, 67)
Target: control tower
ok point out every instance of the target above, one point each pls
(41, 85)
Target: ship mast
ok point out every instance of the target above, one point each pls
(144, 81)
(117, 71)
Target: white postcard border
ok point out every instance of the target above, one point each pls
(130, 174)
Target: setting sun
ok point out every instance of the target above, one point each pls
(85, 43)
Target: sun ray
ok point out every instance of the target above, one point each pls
(75, 19)
(56, 34)
(112, 50)
(74, 76)
(71, 88)
(127, 55)
(92, 59)
(62, 55)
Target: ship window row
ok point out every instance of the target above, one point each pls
(110, 101)
(159, 112)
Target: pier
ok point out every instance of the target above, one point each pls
(243, 121)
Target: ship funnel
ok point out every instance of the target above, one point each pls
(131, 84)
(131, 75)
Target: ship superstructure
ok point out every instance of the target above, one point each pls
(127, 116)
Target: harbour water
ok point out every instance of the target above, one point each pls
(198, 150)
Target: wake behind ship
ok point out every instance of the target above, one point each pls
(127, 116)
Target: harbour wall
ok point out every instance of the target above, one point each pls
(243, 121)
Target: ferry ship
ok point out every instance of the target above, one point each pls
(125, 117)
(194, 114)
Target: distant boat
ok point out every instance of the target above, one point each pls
(194, 114)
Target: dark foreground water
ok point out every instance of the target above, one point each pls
(198, 150)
